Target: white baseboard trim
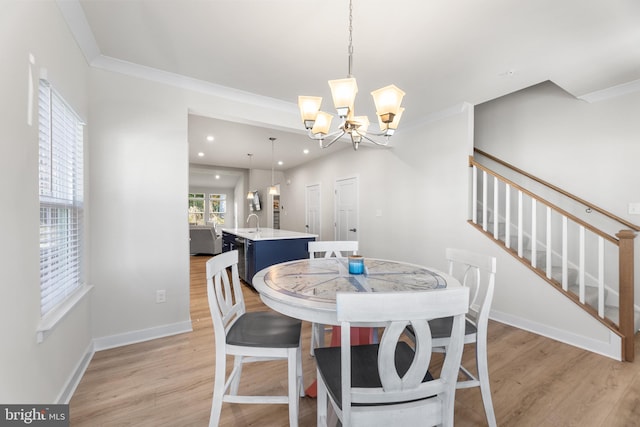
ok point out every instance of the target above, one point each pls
(72, 383)
(611, 349)
(116, 341)
(133, 337)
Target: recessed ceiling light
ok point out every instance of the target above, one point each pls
(217, 176)
(280, 163)
(209, 138)
(306, 151)
(201, 154)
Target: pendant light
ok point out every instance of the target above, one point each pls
(272, 190)
(250, 193)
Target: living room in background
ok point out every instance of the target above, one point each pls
(211, 206)
(61, 178)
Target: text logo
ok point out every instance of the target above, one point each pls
(34, 415)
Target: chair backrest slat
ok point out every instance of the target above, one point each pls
(477, 272)
(224, 292)
(397, 310)
(337, 248)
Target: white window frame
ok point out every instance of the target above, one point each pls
(193, 197)
(61, 196)
(222, 199)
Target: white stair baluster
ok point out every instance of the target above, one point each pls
(548, 263)
(534, 232)
(474, 192)
(496, 189)
(565, 253)
(520, 223)
(484, 200)
(507, 214)
(582, 266)
(601, 276)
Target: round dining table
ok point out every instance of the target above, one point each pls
(306, 289)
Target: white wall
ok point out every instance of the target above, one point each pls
(587, 149)
(31, 372)
(139, 198)
(261, 181)
(140, 183)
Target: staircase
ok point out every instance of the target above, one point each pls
(578, 248)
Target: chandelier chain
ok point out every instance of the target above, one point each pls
(350, 39)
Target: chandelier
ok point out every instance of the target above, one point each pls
(343, 91)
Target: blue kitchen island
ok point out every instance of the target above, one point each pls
(258, 249)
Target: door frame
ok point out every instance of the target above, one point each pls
(335, 203)
(306, 207)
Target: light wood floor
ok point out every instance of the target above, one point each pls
(168, 382)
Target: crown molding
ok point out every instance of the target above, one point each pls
(188, 83)
(73, 14)
(612, 92)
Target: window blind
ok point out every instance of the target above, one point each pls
(61, 198)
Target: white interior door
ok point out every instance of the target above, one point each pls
(312, 209)
(346, 209)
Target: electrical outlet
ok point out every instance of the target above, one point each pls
(161, 296)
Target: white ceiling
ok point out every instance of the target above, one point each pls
(440, 52)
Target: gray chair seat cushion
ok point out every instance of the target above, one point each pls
(265, 329)
(441, 328)
(364, 367)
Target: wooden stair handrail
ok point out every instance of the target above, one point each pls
(612, 239)
(559, 190)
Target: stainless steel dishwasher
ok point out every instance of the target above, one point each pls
(242, 265)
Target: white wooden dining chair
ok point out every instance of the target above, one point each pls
(249, 337)
(328, 249)
(476, 272)
(389, 384)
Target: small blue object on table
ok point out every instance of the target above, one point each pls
(356, 264)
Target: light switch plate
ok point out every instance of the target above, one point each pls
(634, 208)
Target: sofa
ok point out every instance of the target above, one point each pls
(204, 239)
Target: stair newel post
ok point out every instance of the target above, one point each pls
(627, 321)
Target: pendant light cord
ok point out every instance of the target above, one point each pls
(272, 157)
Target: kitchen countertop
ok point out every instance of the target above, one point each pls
(267, 234)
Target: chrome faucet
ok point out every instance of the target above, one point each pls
(257, 221)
